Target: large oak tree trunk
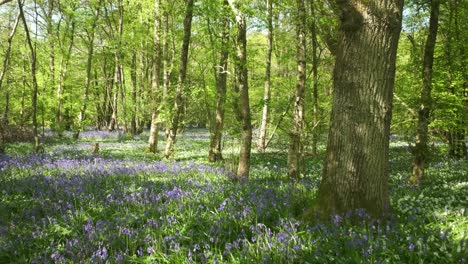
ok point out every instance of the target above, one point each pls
(178, 103)
(421, 151)
(215, 153)
(356, 169)
(266, 94)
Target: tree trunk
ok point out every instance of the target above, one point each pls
(421, 151)
(242, 84)
(297, 131)
(266, 95)
(355, 172)
(215, 153)
(178, 103)
(133, 79)
(6, 60)
(63, 71)
(37, 142)
(154, 131)
(89, 64)
(315, 78)
(167, 68)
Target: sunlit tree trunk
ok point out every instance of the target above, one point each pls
(168, 58)
(266, 95)
(215, 153)
(297, 130)
(154, 131)
(242, 84)
(356, 167)
(178, 107)
(421, 150)
(34, 78)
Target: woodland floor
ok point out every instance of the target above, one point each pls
(124, 205)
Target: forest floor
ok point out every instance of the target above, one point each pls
(124, 205)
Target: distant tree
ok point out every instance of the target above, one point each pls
(356, 167)
(297, 130)
(215, 153)
(421, 151)
(89, 65)
(267, 87)
(178, 103)
(37, 143)
(153, 139)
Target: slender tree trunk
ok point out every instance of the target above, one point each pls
(421, 151)
(297, 131)
(356, 170)
(242, 84)
(6, 60)
(133, 79)
(63, 71)
(89, 65)
(215, 153)
(154, 131)
(266, 96)
(167, 68)
(34, 80)
(315, 77)
(178, 103)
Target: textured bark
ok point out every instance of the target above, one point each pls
(266, 94)
(421, 150)
(297, 130)
(89, 65)
(215, 153)
(37, 142)
(178, 103)
(153, 139)
(355, 172)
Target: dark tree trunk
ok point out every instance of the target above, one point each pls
(356, 169)
(421, 150)
(266, 95)
(215, 153)
(178, 103)
(297, 130)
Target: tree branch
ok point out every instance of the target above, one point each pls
(4, 2)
